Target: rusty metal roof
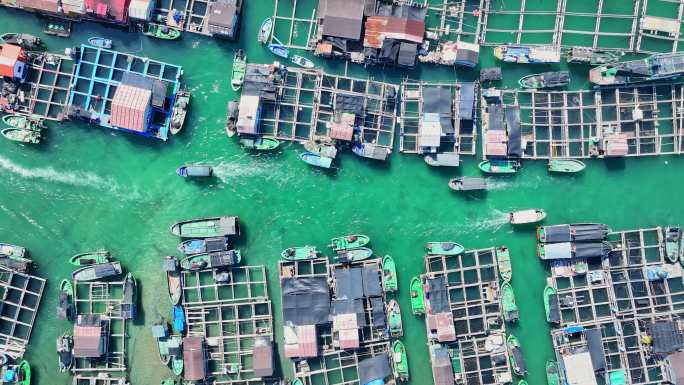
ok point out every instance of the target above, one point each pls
(379, 28)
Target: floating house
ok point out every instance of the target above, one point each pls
(394, 40)
(115, 11)
(224, 18)
(134, 100)
(194, 359)
(140, 10)
(13, 63)
(64, 8)
(437, 118)
(90, 338)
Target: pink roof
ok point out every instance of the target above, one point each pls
(307, 341)
(497, 149)
(445, 327)
(341, 131)
(349, 339)
(495, 136)
(129, 108)
(9, 55)
(379, 28)
(117, 9)
(616, 145)
(43, 5)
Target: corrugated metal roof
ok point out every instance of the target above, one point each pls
(223, 14)
(114, 9)
(429, 131)
(349, 339)
(193, 359)
(342, 18)
(341, 131)
(9, 55)
(263, 357)
(445, 327)
(248, 114)
(616, 145)
(379, 28)
(130, 108)
(308, 346)
(578, 369)
(88, 339)
(140, 9)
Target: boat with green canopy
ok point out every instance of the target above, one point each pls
(444, 248)
(552, 373)
(207, 227)
(566, 166)
(503, 259)
(673, 239)
(510, 308)
(239, 68)
(299, 253)
(417, 298)
(24, 373)
(162, 32)
(349, 242)
(297, 381)
(515, 356)
(66, 287)
(90, 258)
(21, 135)
(399, 361)
(500, 166)
(396, 328)
(389, 274)
(353, 255)
(211, 260)
(549, 293)
(261, 143)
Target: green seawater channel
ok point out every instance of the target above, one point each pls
(87, 188)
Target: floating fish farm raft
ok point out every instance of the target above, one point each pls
(21, 294)
(619, 314)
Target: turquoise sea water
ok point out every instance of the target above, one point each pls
(88, 188)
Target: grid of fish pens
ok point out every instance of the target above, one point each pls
(101, 302)
(658, 31)
(194, 14)
(294, 25)
(415, 103)
(605, 24)
(21, 294)
(98, 380)
(453, 20)
(478, 365)
(231, 315)
(308, 101)
(643, 120)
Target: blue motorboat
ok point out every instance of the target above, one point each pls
(316, 159)
(178, 319)
(279, 50)
(206, 245)
(100, 42)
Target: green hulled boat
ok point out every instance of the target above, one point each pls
(299, 253)
(503, 259)
(353, 255)
(212, 260)
(510, 308)
(549, 292)
(455, 356)
(389, 274)
(260, 143)
(24, 373)
(444, 248)
(297, 381)
(66, 287)
(239, 68)
(417, 298)
(552, 374)
(673, 239)
(499, 166)
(399, 361)
(566, 166)
(349, 242)
(21, 135)
(515, 356)
(169, 381)
(177, 365)
(396, 327)
(90, 258)
(163, 32)
(207, 227)
(522, 382)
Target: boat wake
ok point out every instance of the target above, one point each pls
(244, 166)
(494, 221)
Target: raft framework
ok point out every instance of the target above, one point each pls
(21, 294)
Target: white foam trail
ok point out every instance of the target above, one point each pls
(32, 221)
(494, 221)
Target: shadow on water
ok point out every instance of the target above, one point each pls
(615, 164)
(140, 310)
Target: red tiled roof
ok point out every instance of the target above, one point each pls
(130, 108)
(379, 28)
(446, 331)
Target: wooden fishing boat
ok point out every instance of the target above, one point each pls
(566, 166)
(389, 275)
(265, 30)
(302, 61)
(231, 118)
(129, 308)
(279, 50)
(15, 263)
(552, 373)
(211, 260)
(503, 259)
(545, 80)
(21, 135)
(502, 166)
(316, 159)
(65, 358)
(24, 40)
(417, 298)
(394, 323)
(65, 306)
(325, 148)
(443, 160)
(160, 331)
(549, 292)
(173, 279)
(195, 171)
(444, 248)
(178, 319)
(177, 365)
(99, 271)
(349, 242)
(522, 382)
(239, 68)
(180, 111)
(523, 217)
(261, 143)
(162, 32)
(590, 56)
(23, 373)
(515, 355)
(353, 255)
(510, 308)
(661, 66)
(90, 258)
(300, 253)
(100, 42)
(673, 239)
(11, 250)
(205, 245)
(399, 361)
(371, 151)
(207, 227)
(527, 54)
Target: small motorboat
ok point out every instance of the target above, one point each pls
(316, 159)
(90, 258)
(527, 54)
(128, 302)
(503, 260)
(173, 279)
(400, 366)
(279, 50)
(239, 68)
(566, 166)
(673, 239)
(371, 151)
(325, 148)
(417, 297)
(468, 183)
(265, 30)
(15, 263)
(299, 253)
(443, 160)
(444, 248)
(394, 323)
(206, 245)
(523, 217)
(353, 255)
(207, 227)
(23, 122)
(160, 332)
(99, 271)
(211, 260)
(65, 358)
(590, 56)
(100, 42)
(349, 242)
(552, 373)
(24, 40)
(180, 111)
(302, 61)
(11, 250)
(515, 355)
(21, 135)
(499, 166)
(162, 32)
(195, 171)
(261, 143)
(545, 80)
(390, 283)
(231, 118)
(508, 305)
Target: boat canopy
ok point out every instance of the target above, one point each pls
(439, 100)
(306, 300)
(374, 368)
(519, 359)
(198, 170)
(554, 309)
(437, 294)
(576, 368)
(667, 337)
(447, 159)
(473, 183)
(581, 232)
(595, 345)
(512, 117)
(378, 311)
(568, 250)
(466, 101)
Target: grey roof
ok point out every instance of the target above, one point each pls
(581, 232)
(371, 281)
(347, 283)
(466, 101)
(437, 295)
(350, 306)
(223, 13)
(407, 54)
(306, 300)
(158, 87)
(342, 18)
(595, 345)
(667, 337)
(496, 118)
(374, 368)
(439, 100)
(512, 115)
(378, 307)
